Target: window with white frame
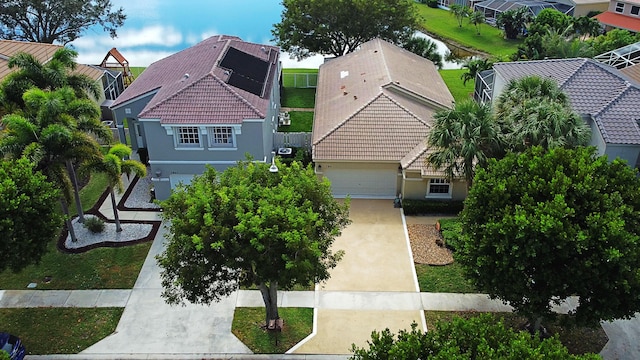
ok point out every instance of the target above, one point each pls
(619, 7)
(221, 136)
(187, 136)
(635, 10)
(438, 187)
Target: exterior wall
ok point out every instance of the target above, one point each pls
(627, 8)
(415, 188)
(584, 9)
(629, 153)
(130, 112)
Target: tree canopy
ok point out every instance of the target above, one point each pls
(337, 27)
(248, 226)
(62, 21)
(28, 222)
(544, 225)
(480, 337)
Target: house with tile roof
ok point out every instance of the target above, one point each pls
(622, 14)
(374, 110)
(209, 104)
(607, 99)
(109, 81)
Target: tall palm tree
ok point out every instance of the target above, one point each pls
(474, 67)
(114, 165)
(460, 12)
(462, 138)
(528, 87)
(513, 21)
(54, 74)
(477, 18)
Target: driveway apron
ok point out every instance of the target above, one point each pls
(377, 259)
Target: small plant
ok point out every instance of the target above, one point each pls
(94, 224)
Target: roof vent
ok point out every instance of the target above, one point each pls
(185, 77)
(344, 74)
(263, 49)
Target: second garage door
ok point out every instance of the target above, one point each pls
(363, 183)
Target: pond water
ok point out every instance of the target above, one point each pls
(453, 56)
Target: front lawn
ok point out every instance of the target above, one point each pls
(301, 121)
(441, 23)
(455, 85)
(59, 330)
(445, 279)
(248, 327)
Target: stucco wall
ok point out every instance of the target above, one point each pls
(416, 189)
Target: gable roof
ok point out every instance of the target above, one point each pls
(375, 104)
(620, 21)
(42, 52)
(193, 87)
(594, 89)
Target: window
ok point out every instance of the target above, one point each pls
(188, 137)
(221, 136)
(438, 187)
(635, 10)
(619, 7)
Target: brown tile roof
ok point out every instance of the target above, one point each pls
(42, 52)
(375, 104)
(594, 89)
(633, 72)
(619, 21)
(191, 88)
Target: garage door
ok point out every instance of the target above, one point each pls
(363, 183)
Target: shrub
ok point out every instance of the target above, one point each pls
(432, 3)
(451, 232)
(422, 207)
(94, 224)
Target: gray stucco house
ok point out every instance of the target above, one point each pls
(209, 104)
(607, 99)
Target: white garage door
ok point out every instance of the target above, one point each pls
(363, 183)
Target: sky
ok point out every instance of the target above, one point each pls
(155, 29)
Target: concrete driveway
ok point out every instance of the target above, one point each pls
(377, 259)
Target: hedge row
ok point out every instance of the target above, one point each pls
(426, 207)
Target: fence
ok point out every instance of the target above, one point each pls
(297, 139)
(300, 80)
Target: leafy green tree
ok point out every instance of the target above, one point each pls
(28, 222)
(459, 12)
(49, 21)
(477, 18)
(425, 48)
(463, 138)
(248, 226)
(564, 46)
(612, 40)
(534, 111)
(513, 21)
(541, 226)
(52, 75)
(113, 164)
(337, 27)
(585, 27)
(553, 19)
(480, 337)
(474, 67)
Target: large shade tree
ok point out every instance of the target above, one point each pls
(62, 21)
(544, 225)
(249, 226)
(28, 222)
(337, 27)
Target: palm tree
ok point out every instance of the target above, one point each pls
(477, 18)
(425, 48)
(462, 138)
(585, 26)
(114, 165)
(513, 21)
(474, 67)
(534, 111)
(460, 12)
(54, 74)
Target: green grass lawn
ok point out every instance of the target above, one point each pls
(578, 340)
(447, 279)
(248, 322)
(442, 24)
(301, 121)
(298, 98)
(455, 85)
(90, 193)
(290, 81)
(59, 330)
(135, 71)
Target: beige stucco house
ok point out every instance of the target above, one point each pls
(374, 110)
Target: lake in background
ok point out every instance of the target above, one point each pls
(155, 29)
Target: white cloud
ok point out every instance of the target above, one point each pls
(312, 62)
(152, 35)
(136, 58)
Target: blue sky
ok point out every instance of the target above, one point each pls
(157, 28)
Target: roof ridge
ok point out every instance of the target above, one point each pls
(584, 61)
(340, 124)
(411, 160)
(628, 87)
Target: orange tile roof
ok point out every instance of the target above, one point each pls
(620, 21)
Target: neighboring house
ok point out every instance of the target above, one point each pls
(492, 8)
(209, 104)
(374, 110)
(109, 81)
(622, 14)
(607, 100)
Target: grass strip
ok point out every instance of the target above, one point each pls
(59, 330)
(459, 90)
(301, 121)
(248, 327)
(298, 98)
(444, 279)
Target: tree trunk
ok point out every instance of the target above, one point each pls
(76, 190)
(270, 298)
(535, 325)
(115, 209)
(67, 220)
